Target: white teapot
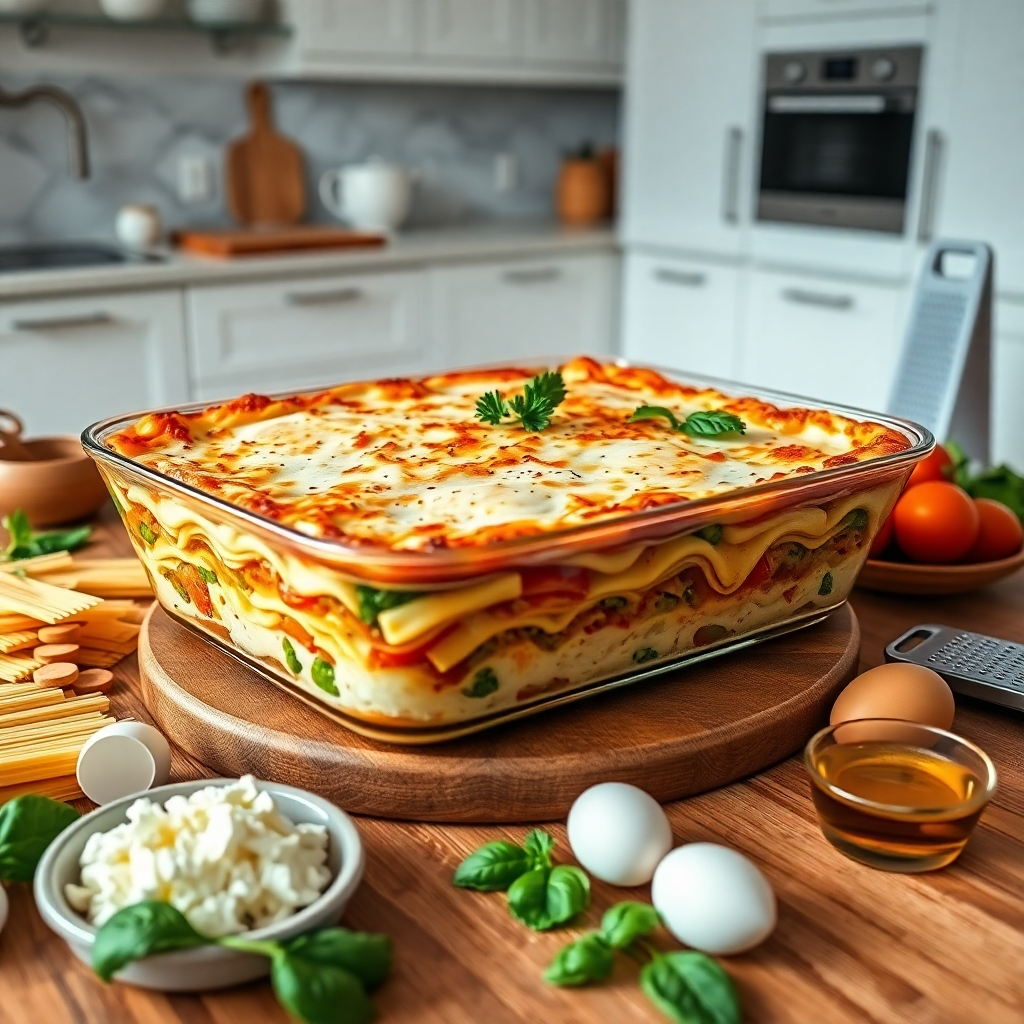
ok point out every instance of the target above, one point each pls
(373, 196)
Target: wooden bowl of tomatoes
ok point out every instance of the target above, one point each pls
(941, 540)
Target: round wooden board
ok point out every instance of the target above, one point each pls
(686, 732)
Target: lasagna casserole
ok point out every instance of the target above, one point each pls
(386, 550)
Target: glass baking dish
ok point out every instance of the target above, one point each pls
(661, 586)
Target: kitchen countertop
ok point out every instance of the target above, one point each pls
(853, 945)
(428, 246)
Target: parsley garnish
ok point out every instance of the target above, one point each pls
(534, 407)
(709, 423)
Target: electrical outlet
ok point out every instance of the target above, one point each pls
(195, 179)
(505, 172)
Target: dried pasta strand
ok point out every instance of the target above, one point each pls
(54, 712)
(14, 669)
(39, 563)
(65, 788)
(92, 658)
(20, 641)
(44, 764)
(13, 623)
(41, 600)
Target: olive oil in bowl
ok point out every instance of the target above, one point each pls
(898, 796)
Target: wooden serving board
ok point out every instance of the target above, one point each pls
(683, 733)
(257, 241)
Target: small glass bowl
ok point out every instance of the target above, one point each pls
(897, 795)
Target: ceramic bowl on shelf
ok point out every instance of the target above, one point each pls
(131, 10)
(225, 11)
(913, 578)
(208, 967)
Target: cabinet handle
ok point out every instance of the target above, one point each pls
(688, 278)
(62, 323)
(533, 276)
(326, 298)
(933, 145)
(731, 179)
(828, 301)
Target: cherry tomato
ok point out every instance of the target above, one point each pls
(1000, 534)
(931, 467)
(882, 539)
(936, 522)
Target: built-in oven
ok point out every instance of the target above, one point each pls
(837, 136)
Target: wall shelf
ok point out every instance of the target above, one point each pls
(35, 28)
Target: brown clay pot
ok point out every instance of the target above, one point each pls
(583, 194)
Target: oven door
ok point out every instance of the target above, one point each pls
(837, 160)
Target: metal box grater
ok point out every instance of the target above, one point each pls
(973, 664)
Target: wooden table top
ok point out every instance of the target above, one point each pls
(852, 944)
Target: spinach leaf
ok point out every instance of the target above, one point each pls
(366, 956)
(485, 682)
(28, 824)
(626, 922)
(586, 960)
(322, 673)
(544, 897)
(373, 601)
(690, 988)
(139, 931)
(493, 868)
(319, 993)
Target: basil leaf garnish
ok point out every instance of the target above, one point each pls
(626, 922)
(319, 993)
(22, 544)
(493, 868)
(28, 824)
(587, 960)
(690, 988)
(704, 423)
(544, 897)
(538, 845)
(366, 956)
(139, 931)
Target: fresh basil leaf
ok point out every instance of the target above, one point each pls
(319, 993)
(626, 922)
(491, 408)
(68, 540)
(651, 412)
(544, 898)
(581, 962)
(141, 930)
(373, 601)
(538, 845)
(711, 423)
(690, 988)
(28, 824)
(322, 674)
(493, 868)
(366, 956)
(19, 530)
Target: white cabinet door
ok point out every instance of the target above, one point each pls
(473, 30)
(573, 32)
(690, 85)
(279, 335)
(830, 9)
(981, 185)
(356, 28)
(681, 314)
(825, 339)
(67, 362)
(1008, 385)
(562, 306)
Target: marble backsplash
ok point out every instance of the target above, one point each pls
(139, 130)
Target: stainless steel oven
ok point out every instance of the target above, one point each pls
(837, 135)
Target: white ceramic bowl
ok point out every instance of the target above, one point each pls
(210, 967)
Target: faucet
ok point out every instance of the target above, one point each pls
(78, 146)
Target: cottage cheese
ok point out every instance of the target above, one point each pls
(225, 857)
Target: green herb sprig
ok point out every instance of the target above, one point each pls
(687, 986)
(541, 894)
(28, 824)
(534, 407)
(373, 601)
(23, 543)
(320, 978)
(706, 423)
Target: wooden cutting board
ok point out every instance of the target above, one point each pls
(264, 177)
(683, 733)
(256, 241)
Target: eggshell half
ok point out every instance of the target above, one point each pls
(911, 693)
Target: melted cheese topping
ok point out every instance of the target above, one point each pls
(405, 464)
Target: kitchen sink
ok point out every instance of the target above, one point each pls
(66, 255)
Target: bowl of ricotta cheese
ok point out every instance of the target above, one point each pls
(235, 856)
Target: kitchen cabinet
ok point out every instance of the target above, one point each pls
(67, 362)
(831, 9)
(283, 334)
(473, 30)
(692, 71)
(979, 181)
(357, 28)
(557, 306)
(823, 338)
(1008, 385)
(681, 314)
(567, 32)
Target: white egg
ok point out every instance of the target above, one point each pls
(619, 833)
(713, 899)
(3, 907)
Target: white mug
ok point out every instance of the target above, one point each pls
(374, 196)
(138, 226)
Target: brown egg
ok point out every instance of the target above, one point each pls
(910, 693)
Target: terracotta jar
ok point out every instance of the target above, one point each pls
(583, 194)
